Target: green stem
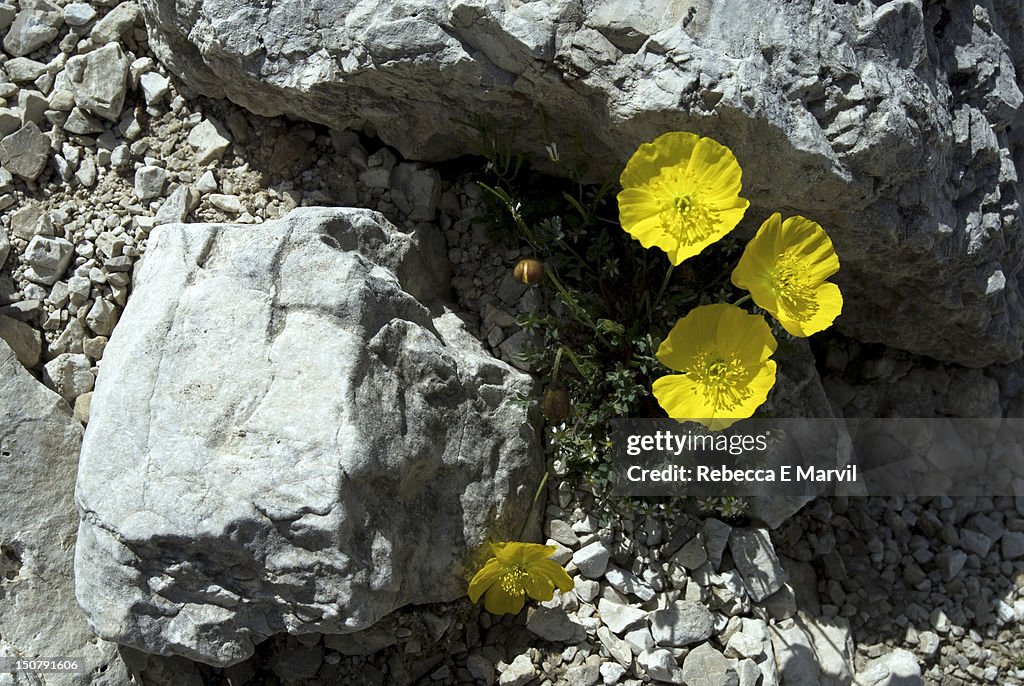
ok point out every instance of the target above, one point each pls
(577, 310)
(664, 287)
(742, 300)
(536, 497)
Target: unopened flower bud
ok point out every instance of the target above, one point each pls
(556, 405)
(529, 270)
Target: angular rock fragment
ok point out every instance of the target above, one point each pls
(25, 151)
(99, 80)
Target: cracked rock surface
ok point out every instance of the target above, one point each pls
(895, 126)
(282, 438)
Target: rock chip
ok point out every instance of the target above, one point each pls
(116, 23)
(683, 624)
(47, 257)
(757, 562)
(551, 624)
(24, 340)
(897, 668)
(813, 651)
(34, 26)
(99, 80)
(343, 443)
(705, 666)
(149, 182)
(592, 559)
(24, 152)
(70, 374)
(210, 140)
(619, 617)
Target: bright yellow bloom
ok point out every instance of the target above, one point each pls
(723, 354)
(784, 267)
(681, 194)
(515, 571)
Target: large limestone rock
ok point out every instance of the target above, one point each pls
(39, 617)
(897, 128)
(283, 439)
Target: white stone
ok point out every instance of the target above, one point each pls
(209, 140)
(592, 559)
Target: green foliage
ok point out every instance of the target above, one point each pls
(609, 303)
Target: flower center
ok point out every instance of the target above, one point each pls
(682, 214)
(793, 286)
(721, 380)
(512, 580)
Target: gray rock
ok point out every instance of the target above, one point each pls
(716, 538)
(22, 69)
(975, 542)
(177, 207)
(78, 13)
(625, 582)
(692, 555)
(149, 182)
(154, 87)
(7, 14)
(619, 617)
(48, 257)
(519, 673)
(617, 647)
(102, 317)
(229, 204)
(757, 562)
(854, 114)
(24, 152)
(10, 121)
(82, 123)
(705, 666)
(210, 140)
(551, 624)
(24, 340)
(5, 247)
(99, 80)
(683, 624)
(418, 191)
(39, 616)
(1012, 545)
(813, 651)
(116, 23)
(584, 675)
(384, 443)
(661, 666)
(592, 559)
(35, 26)
(70, 375)
(897, 668)
(83, 404)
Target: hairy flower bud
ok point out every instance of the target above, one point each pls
(529, 270)
(556, 405)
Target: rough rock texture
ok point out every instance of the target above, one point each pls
(283, 439)
(896, 128)
(39, 617)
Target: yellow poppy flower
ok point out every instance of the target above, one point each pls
(515, 571)
(723, 356)
(680, 193)
(784, 267)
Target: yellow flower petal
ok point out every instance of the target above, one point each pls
(723, 354)
(498, 601)
(517, 570)
(680, 193)
(784, 267)
(485, 578)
